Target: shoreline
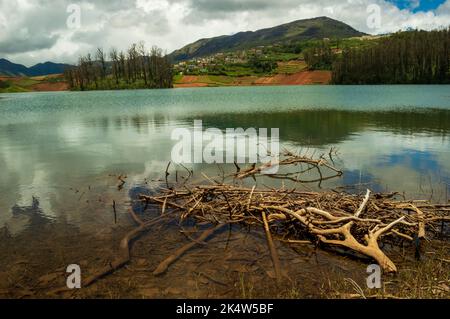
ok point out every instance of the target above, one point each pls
(55, 83)
(48, 83)
(205, 85)
(232, 274)
(298, 78)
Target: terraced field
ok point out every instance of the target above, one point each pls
(290, 75)
(291, 67)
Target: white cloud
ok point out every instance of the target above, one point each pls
(35, 30)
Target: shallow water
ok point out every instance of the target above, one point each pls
(61, 153)
(395, 137)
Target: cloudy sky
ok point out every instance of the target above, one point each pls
(33, 31)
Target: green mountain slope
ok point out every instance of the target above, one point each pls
(317, 28)
(12, 69)
(8, 68)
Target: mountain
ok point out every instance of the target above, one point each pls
(12, 69)
(48, 68)
(300, 30)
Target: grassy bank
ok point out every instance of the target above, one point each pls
(290, 77)
(32, 84)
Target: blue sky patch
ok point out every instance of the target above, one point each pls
(417, 5)
(419, 161)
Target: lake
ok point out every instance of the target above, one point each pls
(62, 156)
(58, 150)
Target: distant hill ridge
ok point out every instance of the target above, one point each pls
(8, 68)
(300, 30)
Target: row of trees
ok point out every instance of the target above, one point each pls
(261, 65)
(413, 57)
(135, 68)
(3, 84)
(319, 57)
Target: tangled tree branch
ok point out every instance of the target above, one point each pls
(289, 159)
(332, 218)
(350, 221)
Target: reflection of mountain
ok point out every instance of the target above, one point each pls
(325, 127)
(431, 121)
(306, 127)
(319, 127)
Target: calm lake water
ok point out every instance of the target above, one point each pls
(60, 153)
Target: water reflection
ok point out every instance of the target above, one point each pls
(325, 127)
(53, 144)
(31, 216)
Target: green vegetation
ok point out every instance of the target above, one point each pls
(294, 32)
(233, 64)
(262, 65)
(320, 55)
(413, 57)
(425, 279)
(12, 88)
(21, 84)
(4, 84)
(291, 67)
(403, 58)
(135, 69)
(27, 82)
(209, 80)
(220, 80)
(283, 58)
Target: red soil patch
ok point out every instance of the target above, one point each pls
(301, 78)
(190, 79)
(43, 84)
(50, 86)
(9, 78)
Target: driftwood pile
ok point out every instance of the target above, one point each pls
(358, 223)
(354, 222)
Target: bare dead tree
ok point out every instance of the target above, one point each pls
(100, 56)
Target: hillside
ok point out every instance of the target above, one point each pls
(300, 30)
(47, 68)
(298, 78)
(411, 57)
(8, 68)
(20, 84)
(12, 69)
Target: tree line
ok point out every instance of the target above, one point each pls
(320, 56)
(133, 69)
(412, 57)
(3, 85)
(261, 65)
